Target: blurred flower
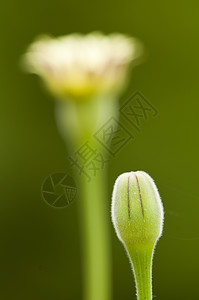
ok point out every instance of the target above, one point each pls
(78, 66)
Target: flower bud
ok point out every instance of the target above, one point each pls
(137, 215)
(137, 211)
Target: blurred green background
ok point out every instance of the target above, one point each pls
(40, 255)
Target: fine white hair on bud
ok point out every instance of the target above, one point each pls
(83, 65)
(137, 215)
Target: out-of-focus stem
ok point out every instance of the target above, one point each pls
(94, 225)
(77, 124)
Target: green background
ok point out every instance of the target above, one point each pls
(40, 254)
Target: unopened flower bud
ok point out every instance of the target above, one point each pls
(137, 215)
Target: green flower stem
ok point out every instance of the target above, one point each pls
(141, 259)
(77, 123)
(95, 238)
